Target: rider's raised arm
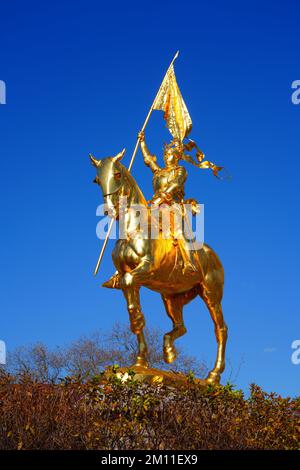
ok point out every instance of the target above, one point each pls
(149, 159)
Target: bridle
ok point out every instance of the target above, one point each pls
(113, 192)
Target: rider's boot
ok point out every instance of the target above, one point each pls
(188, 262)
(188, 268)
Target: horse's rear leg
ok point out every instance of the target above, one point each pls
(137, 323)
(215, 310)
(174, 305)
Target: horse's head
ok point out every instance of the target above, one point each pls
(111, 176)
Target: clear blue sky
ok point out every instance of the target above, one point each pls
(80, 77)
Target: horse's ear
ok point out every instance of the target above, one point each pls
(94, 161)
(119, 156)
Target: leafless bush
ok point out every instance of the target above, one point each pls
(88, 355)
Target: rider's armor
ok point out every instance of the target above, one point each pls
(168, 185)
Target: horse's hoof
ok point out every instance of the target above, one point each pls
(113, 282)
(170, 354)
(141, 362)
(126, 281)
(213, 378)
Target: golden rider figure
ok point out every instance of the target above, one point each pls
(168, 185)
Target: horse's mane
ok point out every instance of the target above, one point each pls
(134, 184)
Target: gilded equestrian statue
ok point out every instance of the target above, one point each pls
(162, 264)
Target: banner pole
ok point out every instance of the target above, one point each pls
(130, 166)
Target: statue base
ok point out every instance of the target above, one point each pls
(152, 376)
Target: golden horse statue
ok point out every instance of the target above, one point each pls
(156, 263)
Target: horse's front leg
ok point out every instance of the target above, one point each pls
(138, 275)
(137, 322)
(174, 305)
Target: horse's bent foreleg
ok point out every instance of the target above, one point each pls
(141, 272)
(216, 313)
(137, 323)
(174, 305)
